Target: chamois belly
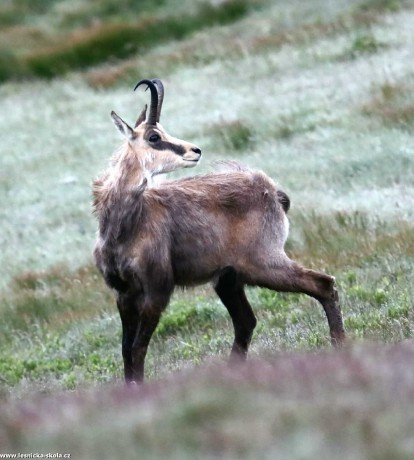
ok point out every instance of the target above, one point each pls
(194, 269)
(196, 258)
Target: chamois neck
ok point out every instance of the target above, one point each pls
(130, 171)
(127, 174)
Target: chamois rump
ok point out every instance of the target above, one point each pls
(229, 228)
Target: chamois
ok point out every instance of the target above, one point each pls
(226, 227)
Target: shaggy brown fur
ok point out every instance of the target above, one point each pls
(228, 227)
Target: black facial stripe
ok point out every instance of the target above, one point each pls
(164, 145)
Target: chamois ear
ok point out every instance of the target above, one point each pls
(123, 127)
(142, 116)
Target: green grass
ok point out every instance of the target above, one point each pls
(232, 136)
(381, 5)
(317, 94)
(362, 45)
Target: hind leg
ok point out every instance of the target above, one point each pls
(231, 293)
(291, 277)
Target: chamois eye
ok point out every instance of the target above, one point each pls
(154, 138)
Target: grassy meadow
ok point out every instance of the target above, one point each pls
(319, 95)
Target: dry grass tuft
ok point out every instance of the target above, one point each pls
(52, 297)
(393, 104)
(346, 240)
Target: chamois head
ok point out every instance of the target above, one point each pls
(157, 151)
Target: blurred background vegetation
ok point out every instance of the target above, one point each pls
(320, 95)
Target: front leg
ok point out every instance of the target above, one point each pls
(146, 327)
(129, 311)
(140, 315)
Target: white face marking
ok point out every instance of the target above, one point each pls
(286, 228)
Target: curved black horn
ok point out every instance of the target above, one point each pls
(160, 87)
(152, 117)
